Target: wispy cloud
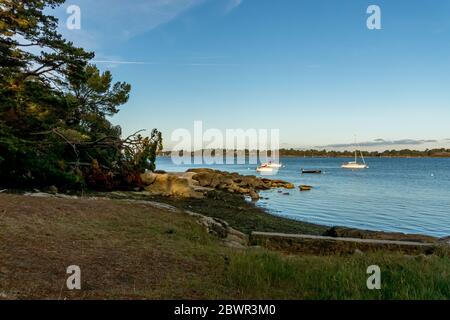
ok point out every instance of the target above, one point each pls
(114, 62)
(122, 62)
(107, 20)
(209, 64)
(382, 143)
(231, 5)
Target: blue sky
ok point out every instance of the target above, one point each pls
(309, 68)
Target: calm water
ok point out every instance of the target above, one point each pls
(404, 195)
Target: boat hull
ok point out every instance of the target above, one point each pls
(311, 171)
(272, 165)
(264, 169)
(354, 166)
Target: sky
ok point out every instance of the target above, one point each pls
(310, 68)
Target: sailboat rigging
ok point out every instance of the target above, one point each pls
(355, 164)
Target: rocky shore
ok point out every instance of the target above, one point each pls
(196, 183)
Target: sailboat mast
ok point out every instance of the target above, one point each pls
(360, 152)
(362, 157)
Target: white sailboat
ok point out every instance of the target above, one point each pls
(355, 165)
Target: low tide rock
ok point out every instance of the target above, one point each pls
(196, 182)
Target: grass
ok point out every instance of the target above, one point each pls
(263, 274)
(136, 251)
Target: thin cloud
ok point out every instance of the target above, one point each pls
(116, 62)
(114, 20)
(231, 5)
(209, 64)
(382, 143)
(122, 62)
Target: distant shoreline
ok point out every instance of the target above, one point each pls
(314, 153)
(167, 155)
(371, 157)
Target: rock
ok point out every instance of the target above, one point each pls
(220, 228)
(358, 252)
(195, 183)
(212, 225)
(217, 228)
(216, 181)
(342, 232)
(148, 178)
(51, 195)
(445, 240)
(243, 190)
(221, 186)
(201, 170)
(203, 178)
(53, 189)
(173, 185)
(234, 188)
(254, 195)
(234, 245)
(277, 184)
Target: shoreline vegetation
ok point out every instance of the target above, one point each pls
(315, 153)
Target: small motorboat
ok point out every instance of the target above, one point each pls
(270, 164)
(264, 168)
(311, 171)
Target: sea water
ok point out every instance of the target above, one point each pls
(409, 195)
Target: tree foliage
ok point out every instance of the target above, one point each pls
(55, 106)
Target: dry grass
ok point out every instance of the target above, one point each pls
(124, 250)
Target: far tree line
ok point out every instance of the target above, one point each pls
(404, 153)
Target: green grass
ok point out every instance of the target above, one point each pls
(263, 274)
